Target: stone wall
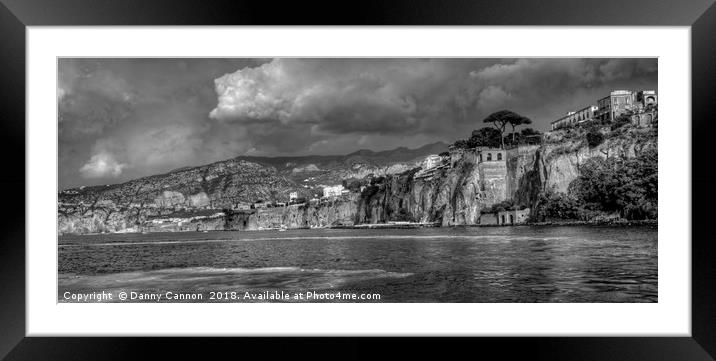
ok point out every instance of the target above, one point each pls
(506, 218)
(493, 180)
(488, 219)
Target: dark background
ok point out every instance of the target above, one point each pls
(16, 14)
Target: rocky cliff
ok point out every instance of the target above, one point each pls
(456, 195)
(452, 193)
(564, 151)
(320, 215)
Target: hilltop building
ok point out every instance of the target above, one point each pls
(615, 104)
(476, 155)
(647, 98)
(582, 115)
(610, 107)
(490, 155)
(292, 196)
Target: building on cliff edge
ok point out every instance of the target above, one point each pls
(333, 191)
(580, 116)
(430, 167)
(489, 165)
(475, 155)
(610, 107)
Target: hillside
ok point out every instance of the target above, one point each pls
(222, 185)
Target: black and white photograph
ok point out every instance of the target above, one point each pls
(357, 180)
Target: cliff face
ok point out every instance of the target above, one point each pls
(338, 213)
(454, 193)
(329, 214)
(562, 155)
(452, 196)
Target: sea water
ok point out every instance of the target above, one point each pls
(456, 264)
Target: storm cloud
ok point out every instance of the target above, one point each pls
(125, 118)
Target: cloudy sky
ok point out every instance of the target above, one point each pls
(121, 119)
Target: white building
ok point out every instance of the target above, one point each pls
(242, 206)
(332, 191)
(432, 161)
(582, 115)
(293, 196)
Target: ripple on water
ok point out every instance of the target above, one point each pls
(504, 264)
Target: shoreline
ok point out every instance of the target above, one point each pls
(615, 223)
(526, 224)
(408, 225)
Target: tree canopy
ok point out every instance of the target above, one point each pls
(502, 118)
(485, 137)
(525, 136)
(491, 137)
(626, 185)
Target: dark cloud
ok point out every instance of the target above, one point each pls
(125, 118)
(339, 96)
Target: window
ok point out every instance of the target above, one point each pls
(480, 157)
(499, 156)
(489, 157)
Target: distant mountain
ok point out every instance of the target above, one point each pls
(317, 170)
(363, 156)
(402, 153)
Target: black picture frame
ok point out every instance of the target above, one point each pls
(16, 15)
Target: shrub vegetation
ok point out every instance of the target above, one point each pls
(614, 185)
